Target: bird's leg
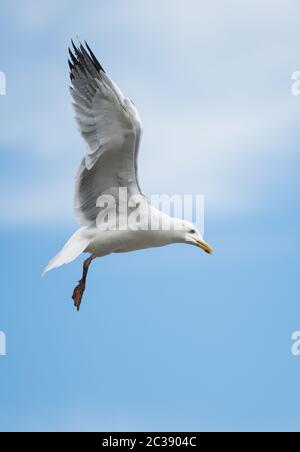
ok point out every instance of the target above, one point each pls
(80, 288)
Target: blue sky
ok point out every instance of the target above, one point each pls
(167, 339)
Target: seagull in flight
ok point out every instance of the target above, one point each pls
(111, 127)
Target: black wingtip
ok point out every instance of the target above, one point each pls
(78, 56)
(94, 59)
(72, 56)
(73, 45)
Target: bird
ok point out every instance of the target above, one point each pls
(111, 127)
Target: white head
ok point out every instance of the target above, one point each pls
(187, 233)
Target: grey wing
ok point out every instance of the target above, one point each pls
(111, 127)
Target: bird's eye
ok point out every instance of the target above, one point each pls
(192, 231)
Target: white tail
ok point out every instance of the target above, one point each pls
(72, 249)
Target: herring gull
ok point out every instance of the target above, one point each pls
(111, 127)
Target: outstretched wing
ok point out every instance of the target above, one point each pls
(110, 125)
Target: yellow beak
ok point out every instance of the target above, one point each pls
(205, 247)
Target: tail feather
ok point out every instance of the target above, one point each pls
(72, 249)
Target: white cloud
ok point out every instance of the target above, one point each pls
(211, 80)
(34, 16)
(51, 203)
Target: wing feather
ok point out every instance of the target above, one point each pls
(111, 127)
